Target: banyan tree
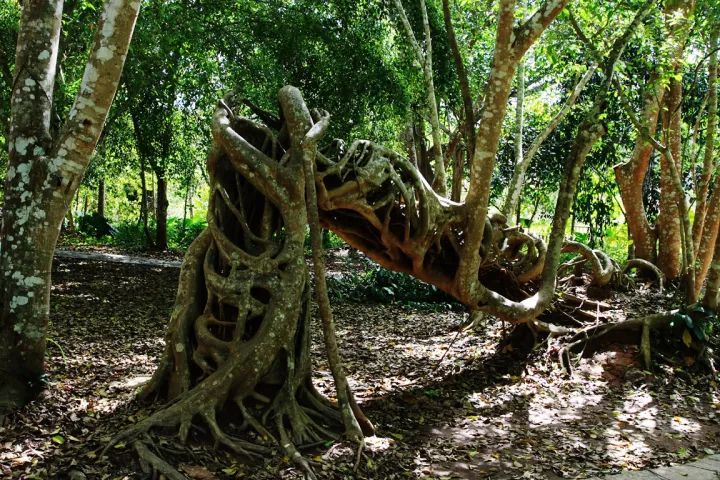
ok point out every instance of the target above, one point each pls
(237, 355)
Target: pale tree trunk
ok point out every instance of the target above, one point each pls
(508, 210)
(425, 60)
(510, 46)
(512, 200)
(44, 174)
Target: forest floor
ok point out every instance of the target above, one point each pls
(486, 411)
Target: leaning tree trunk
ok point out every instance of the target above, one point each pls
(238, 342)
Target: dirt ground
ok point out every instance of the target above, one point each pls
(486, 411)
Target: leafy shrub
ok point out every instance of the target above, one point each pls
(331, 240)
(130, 236)
(95, 225)
(377, 284)
(181, 235)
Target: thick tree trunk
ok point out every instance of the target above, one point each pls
(238, 342)
(43, 176)
(630, 177)
(161, 212)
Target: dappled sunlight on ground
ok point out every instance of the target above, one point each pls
(483, 412)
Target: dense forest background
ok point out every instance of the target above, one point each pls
(353, 59)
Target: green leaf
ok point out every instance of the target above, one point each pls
(687, 338)
(59, 439)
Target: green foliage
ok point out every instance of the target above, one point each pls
(129, 235)
(181, 235)
(377, 284)
(331, 240)
(695, 320)
(95, 225)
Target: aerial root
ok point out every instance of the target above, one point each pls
(151, 463)
(291, 451)
(604, 270)
(643, 324)
(645, 266)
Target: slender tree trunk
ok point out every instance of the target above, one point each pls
(43, 176)
(101, 198)
(669, 222)
(469, 124)
(185, 208)
(630, 177)
(70, 221)
(458, 174)
(161, 212)
(144, 204)
(512, 200)
(708, 160)
(707, 212)
(508, 208)
(424, 58)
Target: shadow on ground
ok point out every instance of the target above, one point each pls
(483, 412)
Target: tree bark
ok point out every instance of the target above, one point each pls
(707, 212)
(101, 198)
(44, 174)
(161, 213)
(630, 177)
(510, 46)
(669, 223)
(144, 204)
(512, 199)
(424, 58)
(469, 121)
(238, 342)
